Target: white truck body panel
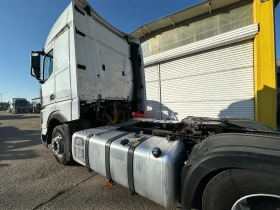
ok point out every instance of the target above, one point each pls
(45, 113)
(105, 56)
(64, 19)
(59, 83)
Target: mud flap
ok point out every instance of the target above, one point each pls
(44, 140)
(68, 142)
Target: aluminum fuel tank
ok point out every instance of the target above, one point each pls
(158, 179)
(149, 165)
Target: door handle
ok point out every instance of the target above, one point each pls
(52, 97)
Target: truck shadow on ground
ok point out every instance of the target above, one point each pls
(18, 117)
(16, 144)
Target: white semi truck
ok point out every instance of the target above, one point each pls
(18, 105)
(92, 80)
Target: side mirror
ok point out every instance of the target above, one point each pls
(35, 65)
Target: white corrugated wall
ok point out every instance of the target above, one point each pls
(213, 83)
(152, 92)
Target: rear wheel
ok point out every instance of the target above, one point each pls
(234, 188)
(59, 145)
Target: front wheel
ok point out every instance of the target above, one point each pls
(59, 145)
(239, 189)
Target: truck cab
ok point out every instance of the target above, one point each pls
(90, 72)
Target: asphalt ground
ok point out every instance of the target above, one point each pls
(30, 177)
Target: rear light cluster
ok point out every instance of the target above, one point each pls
(79, 149)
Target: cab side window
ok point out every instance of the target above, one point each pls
(48, 65)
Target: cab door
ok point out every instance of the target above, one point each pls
(48, 88)
(62, 71)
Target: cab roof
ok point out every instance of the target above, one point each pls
(66, 19)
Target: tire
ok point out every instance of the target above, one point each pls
(229, 186)
(249, 124)
(59, 138)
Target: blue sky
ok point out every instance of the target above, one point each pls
(26, 24)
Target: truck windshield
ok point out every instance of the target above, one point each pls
(20, 103)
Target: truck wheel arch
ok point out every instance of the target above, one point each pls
(58, 115)
(196, 177)
(223, 152)
(56, 118)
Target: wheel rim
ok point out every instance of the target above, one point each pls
(58, 145)
(257, 202)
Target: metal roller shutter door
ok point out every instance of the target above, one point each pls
(213, 83)
(152, 92)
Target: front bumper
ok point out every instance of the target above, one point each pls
(21, 110)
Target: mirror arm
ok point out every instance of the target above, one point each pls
(42, 53)
(41, 81)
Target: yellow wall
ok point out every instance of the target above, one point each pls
(264, 62)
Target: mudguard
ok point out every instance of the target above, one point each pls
(68, 142)
(224, 151)
(59, 115)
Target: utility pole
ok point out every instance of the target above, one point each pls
(1, 97)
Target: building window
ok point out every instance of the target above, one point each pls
(188, 32)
